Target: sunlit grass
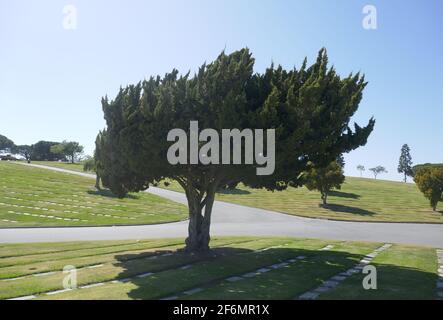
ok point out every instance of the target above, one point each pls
(156, 269)
(36, 197)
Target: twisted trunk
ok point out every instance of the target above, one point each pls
(199, 223)
(324, 196)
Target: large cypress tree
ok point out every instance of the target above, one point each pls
(310, 109)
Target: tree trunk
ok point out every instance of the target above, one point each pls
(97, 182)
(324, 197)
(405, 178)
(199, 224)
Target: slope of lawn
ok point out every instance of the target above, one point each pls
(359, 199)
(62, 165)
(33, 197)
(158, 269)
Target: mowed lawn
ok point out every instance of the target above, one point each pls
(61, 165)
(33, 197)
(360, 199)
(238, 268)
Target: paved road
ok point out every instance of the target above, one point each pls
(234, 220)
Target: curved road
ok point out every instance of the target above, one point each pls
(235, 220)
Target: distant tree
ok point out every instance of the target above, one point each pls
(324, 179)
(378, 170)
(405, 162)
(41, 151)
(361, 168)
(429, 180)
(25, 151)
(91, 165)
(310, 108)
(5, 143)
(69, 149)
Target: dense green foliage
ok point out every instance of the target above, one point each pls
(24, 150)
(426, 165)
(41, 151)
(429, 180)
(324, 179)
(5, 143)
(69, 149)
(310, 109)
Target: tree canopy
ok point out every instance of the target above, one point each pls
(69, 149)
(324, 179)
(41, 151)
(24, 150)
(310, 109)
(429, 180)
(5, 143)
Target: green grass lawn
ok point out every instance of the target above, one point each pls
(62, 165)
(157, 269)
(33, 197)
(360, 199)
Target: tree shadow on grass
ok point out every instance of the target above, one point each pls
(108, 194)
(172, 273)
(347, 209)
(164, 273)
(341, 194)
(393, 283)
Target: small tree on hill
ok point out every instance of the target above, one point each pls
(405, 162)
(324, 179)
(361, 168)
(429, 181)
(378, 170)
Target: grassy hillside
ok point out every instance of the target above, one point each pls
(240, 268)
(31, 196)
(359, 199)
(61, 165)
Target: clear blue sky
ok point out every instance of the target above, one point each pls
(52, 79)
